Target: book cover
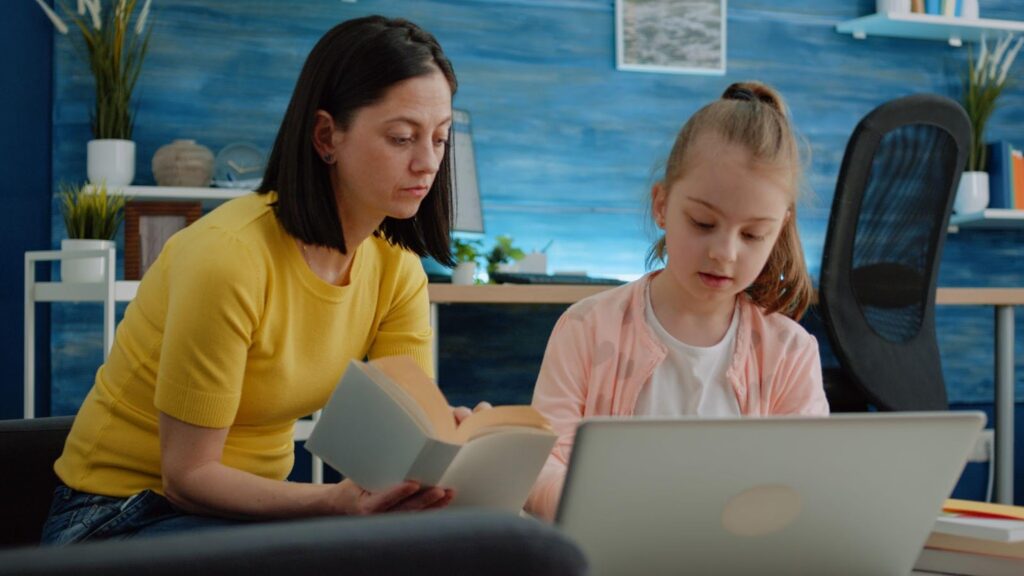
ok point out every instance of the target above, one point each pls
(933, 7)
(983, 509)
(952, 562)
(1000, 175)
(977, 546)
(1018, 179)
(996, 529)
(387, 422)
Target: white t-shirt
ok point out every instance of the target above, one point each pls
(690, 381)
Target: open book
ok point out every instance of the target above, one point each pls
(387, 422)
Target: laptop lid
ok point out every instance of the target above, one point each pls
(848, 494)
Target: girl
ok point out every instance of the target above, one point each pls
(249, 316)
(714, 332)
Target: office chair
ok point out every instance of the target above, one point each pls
(882, 250)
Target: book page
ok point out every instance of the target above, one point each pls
(497, 470)
(404, 372)
(480, 423)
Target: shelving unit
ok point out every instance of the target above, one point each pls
(927, 27)
(208, 195)
(989, 219)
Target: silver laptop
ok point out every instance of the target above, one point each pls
(849, 494)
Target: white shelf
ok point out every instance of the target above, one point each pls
(927, 27)
(180, 193)
(124, 291)
(991, 219)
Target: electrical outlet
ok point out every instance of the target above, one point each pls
(983, 450)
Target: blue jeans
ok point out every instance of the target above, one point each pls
(79, 516)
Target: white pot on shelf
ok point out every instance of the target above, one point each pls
(972, 193)
(110, 161)
(464, 273)
(91, 269)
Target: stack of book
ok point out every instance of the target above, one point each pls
(976, 539)
(1005, 176)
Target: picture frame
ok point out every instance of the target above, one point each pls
(671, 36)
(147, 226)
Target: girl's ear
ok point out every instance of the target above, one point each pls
(659, 199)
(323, 135)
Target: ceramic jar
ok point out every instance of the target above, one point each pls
(183, 163)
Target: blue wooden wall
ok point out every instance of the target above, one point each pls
(567, 147)
(26, 66)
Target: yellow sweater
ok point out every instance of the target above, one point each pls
(231, 329)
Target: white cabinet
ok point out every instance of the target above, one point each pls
(927, 27)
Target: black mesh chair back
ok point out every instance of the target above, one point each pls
(885, 236)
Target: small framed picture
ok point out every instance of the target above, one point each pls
(672, 36)
(147, 226)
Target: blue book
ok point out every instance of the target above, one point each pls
(933, 7)
(1000, 175)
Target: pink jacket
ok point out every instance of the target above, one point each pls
(602, 351)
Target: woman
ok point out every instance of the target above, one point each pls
(248, 318)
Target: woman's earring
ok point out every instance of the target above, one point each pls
(328, 158)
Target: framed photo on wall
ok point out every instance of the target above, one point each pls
(672, 36)
(147, 226)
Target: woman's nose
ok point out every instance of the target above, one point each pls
(427, 158)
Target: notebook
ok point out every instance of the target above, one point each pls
(849, 494)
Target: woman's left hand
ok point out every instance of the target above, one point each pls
(461, 412)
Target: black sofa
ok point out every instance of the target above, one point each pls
(451, 542)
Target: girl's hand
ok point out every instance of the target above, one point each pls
(461, 412)
(353, 500)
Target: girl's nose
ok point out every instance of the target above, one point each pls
(723, 248)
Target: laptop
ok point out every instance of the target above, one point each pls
(848, 494)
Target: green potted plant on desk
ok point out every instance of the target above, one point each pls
(982, 85)
(91, 216)
(466, 253)
(502, 253)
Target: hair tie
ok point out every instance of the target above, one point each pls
(743, 94)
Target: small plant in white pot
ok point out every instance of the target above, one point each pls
(92, 217)
(983, 83)
(466, 253)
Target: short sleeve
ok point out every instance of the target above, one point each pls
(214, 291)
(405, 324)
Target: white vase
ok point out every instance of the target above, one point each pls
(972, 193)
(90, 269)
(464, 273)
(111, 162)
(183, 163)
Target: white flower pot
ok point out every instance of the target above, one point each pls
(464, 273)
(110, 161)
(972, 194)
(91, 269)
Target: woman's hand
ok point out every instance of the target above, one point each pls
(461, 412)
(408, 496)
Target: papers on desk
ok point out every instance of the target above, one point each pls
(976, 539)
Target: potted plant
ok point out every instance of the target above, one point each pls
(983, 83)
(502, 253)
(466, 253)
(92, 216)
(115, 49)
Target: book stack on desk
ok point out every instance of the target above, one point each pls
(976, 539)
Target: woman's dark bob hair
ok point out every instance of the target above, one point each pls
(351, 67)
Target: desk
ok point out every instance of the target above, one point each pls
(1002, 299)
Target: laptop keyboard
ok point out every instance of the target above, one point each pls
(531, 278)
